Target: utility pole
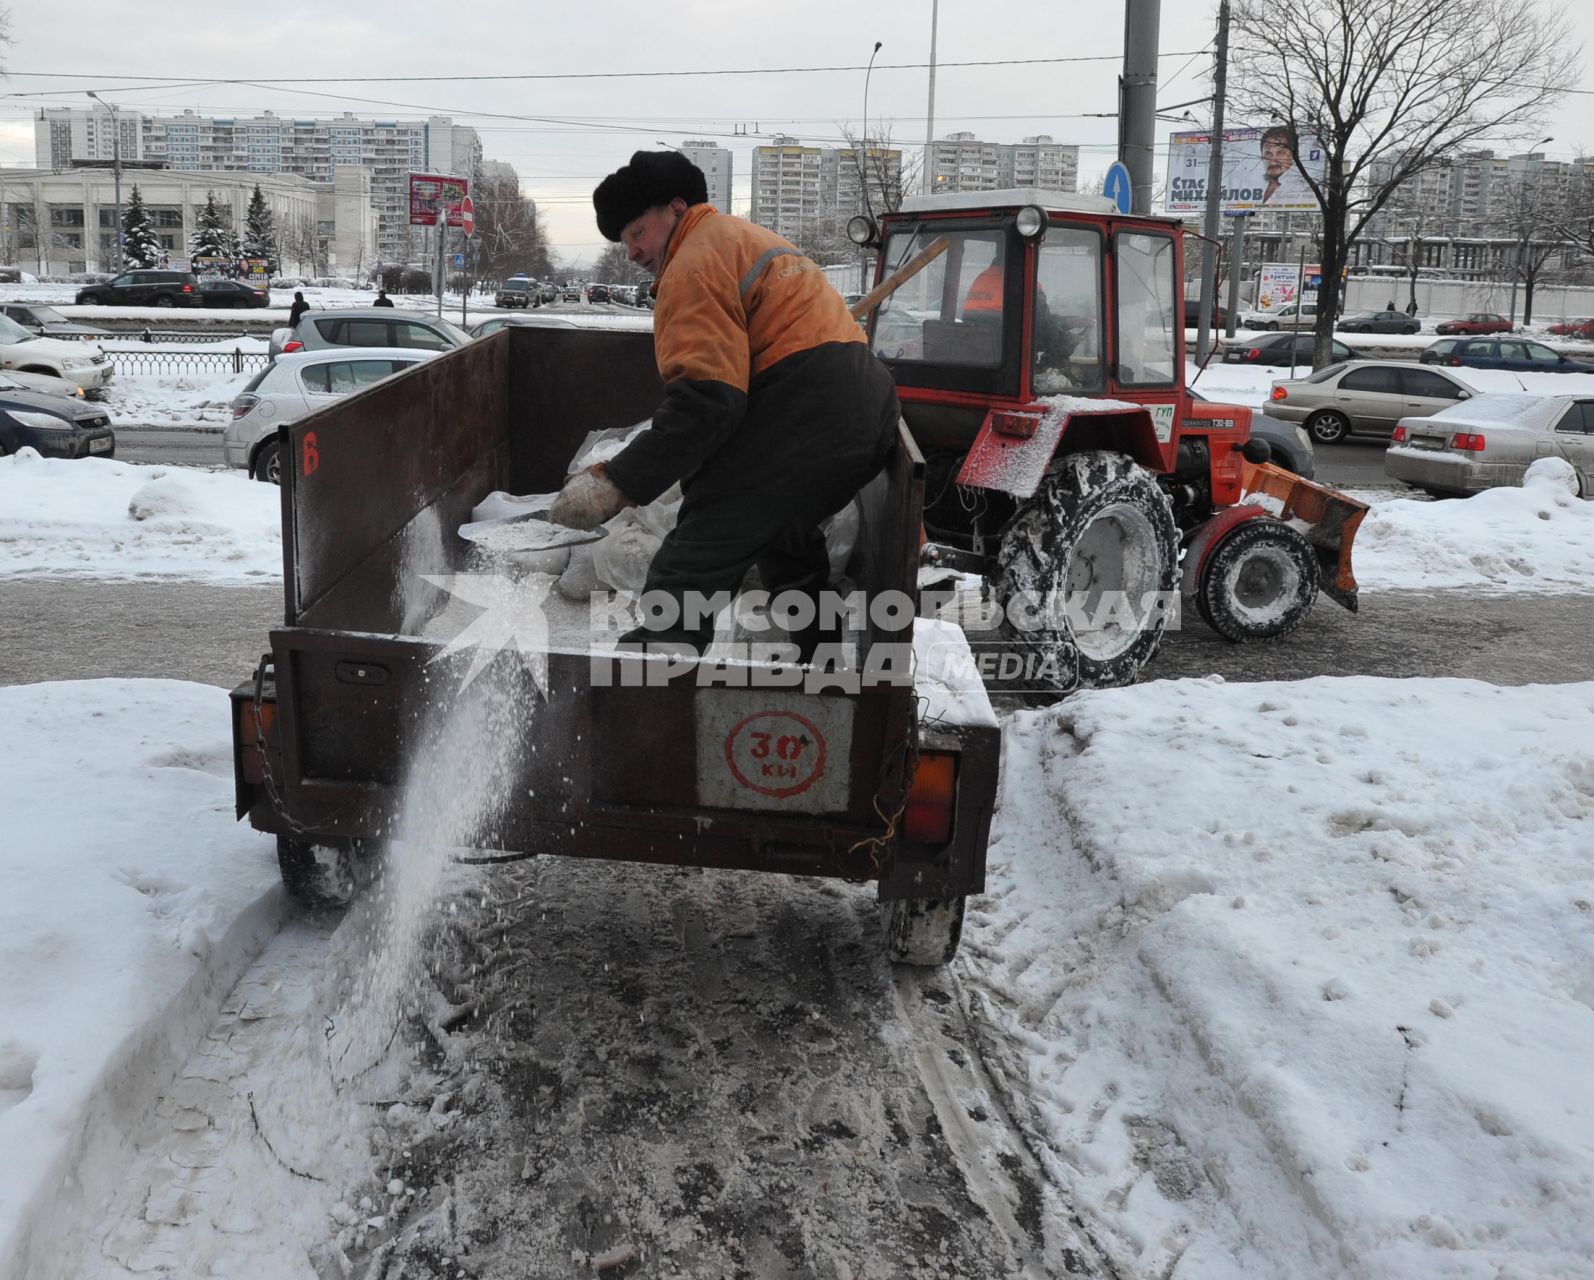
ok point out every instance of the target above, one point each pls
(929, 111)
(116, 169)
(1236, 253)
(1214, 216)
(1137, 98)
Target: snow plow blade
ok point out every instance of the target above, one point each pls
(1327, 519)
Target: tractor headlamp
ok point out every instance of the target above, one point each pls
(1031, 221)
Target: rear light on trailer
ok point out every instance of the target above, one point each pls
(1467, 441)
(1399, 437)
(1280, 394)
(295, 345)
(927, 816)
(255, 736)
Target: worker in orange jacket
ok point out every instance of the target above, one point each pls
(775, 413)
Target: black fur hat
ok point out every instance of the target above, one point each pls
(652, 178)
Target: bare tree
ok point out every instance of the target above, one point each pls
(1393, 85)
(823, 238)
(509, 237)
(1531, 211)
(613, 267)
(883, 173)
(1576, 221)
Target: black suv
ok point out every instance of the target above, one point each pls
(144, 289)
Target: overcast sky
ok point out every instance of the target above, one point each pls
(564, 135)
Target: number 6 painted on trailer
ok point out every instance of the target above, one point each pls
(312, 455)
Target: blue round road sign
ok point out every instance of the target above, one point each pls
(1118, 188)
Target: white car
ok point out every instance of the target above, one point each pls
(1294, 316)
(1491, 441)
(294, 387)
(83, 364)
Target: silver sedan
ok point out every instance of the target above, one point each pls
(1491, 441)
(1367, 397)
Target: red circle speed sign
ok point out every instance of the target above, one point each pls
(776, 753)
(467, 216)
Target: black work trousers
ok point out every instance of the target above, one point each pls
(819, 427)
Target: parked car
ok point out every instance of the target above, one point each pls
(295, 386)
(144, 289)
(517, 291)
(83, 364)
(366, 327)
(47, 322)
(1380, 322)
(1477, 322)
(599, 293)
(494, 323)
(57, 427)
(1368, 397)
(232, 293)
(1283, 348)
(1294, 316)
(1291, 446)
(1516, 354)
(1490, 442)
(1440, 352)
(1575, 329)
(1192, 314)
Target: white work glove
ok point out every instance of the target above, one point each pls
(588, 499)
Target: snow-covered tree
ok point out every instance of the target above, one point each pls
(260, 232)
(141, 247)
(211, 236)
(613, 267)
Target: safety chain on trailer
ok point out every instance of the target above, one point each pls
(907, 752)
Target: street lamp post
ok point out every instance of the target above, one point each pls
(116, 169)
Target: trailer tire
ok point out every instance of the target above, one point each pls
(321, 876)
(1259, 582)
(923, 931)
(1093, 506)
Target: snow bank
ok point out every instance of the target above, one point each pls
(95, 518)
(1536, 538)
(202, 400)
(133, 901)
(1301, 976)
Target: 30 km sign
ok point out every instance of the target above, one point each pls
(467, 216)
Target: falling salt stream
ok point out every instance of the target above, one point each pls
(458, 782)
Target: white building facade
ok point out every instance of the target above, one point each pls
(715, 162)
(309, 147)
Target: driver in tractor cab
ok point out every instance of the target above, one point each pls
(982, 304)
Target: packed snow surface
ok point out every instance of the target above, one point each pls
(1340, 1029)
(97, 518)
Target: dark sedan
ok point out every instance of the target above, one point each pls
(1514, 354)
(47, 322)
(1380, 322)
(56, 426)
(232, 293)
(1282, 348)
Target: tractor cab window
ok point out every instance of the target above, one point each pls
(952, 312)
(1147, 342)
(1067, 355)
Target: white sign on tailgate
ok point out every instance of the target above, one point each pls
(761, 749)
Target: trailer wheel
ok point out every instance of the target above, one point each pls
(1086, 573)
(1259, 583)
(268, 463)
(923, 931)
(322, 876)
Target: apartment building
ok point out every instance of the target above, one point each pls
(962, 162)
(715, 162)
(867, 179)
(310, 148)
(790, 183)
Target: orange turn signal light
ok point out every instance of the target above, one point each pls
(932, 799)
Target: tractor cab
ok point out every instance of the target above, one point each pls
(1036, 294)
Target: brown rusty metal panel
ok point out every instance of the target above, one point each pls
(565, 383)
(378, 482)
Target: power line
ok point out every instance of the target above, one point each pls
(577, 75)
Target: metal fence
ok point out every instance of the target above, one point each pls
(156, 361)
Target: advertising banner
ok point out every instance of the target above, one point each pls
(1259, 170)
(434, 193)
(1277, 283)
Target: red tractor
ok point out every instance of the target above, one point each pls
(1037, 342)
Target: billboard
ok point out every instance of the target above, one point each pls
(1277, 284)
(431, 193)
(1259, 170)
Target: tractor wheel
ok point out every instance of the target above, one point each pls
(322, 876)
(1329, 427)
(923, 931)
(1086, 574)
(1259, 583)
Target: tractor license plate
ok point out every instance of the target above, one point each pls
(762, 749)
